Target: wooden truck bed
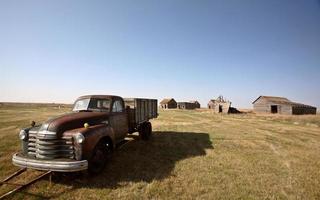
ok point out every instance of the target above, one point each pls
(140, 110)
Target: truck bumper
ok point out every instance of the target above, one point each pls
(51, 165)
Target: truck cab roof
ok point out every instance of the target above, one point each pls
(100, 97)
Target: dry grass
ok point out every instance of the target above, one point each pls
(192, 155)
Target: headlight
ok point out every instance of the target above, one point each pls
(23, 135)
(79, 138)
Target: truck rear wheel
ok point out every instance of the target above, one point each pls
(149, 129)
(145, 131)
(100, 157)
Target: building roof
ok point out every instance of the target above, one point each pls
(196, 102)
(165, 101)
(294, 104)
(282, 100)
(212, 101)
(183, 102)
(220, 99)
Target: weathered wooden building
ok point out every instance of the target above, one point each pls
(281, 105)
(168, 103)
(219, 105)
(196, 103)
(186, 105)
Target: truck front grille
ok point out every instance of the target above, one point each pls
(50, 148)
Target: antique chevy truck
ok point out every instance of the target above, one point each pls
(86, 137)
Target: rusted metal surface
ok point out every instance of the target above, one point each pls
(75, 120)
(93, 134)
(50, 148)
(19, 186)
(100, 97)
(4, 181)
(53, 145)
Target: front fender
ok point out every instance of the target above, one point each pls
(92, 135)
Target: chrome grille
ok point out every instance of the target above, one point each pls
(50, 148)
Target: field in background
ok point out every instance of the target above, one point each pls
(193, 154)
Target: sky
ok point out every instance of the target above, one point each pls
(55, 51)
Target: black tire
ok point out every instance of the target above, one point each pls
(141, 131)
(145, 131)
(149, 130)
(100, 156)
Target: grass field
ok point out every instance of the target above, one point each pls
(192, 155)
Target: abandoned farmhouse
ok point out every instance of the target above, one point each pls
(281, 105)
(169, 103)
(186, 105)
(263, 104)
(196, 104)
(219, 105)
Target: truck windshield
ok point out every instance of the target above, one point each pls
(92, 104)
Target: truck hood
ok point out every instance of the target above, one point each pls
(73, 120)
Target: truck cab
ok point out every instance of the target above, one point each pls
(86, 137)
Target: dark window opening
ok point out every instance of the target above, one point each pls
(274, 109)
(220, 108)
(117, 106)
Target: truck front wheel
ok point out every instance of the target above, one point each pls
(145, 131)
(100, 157)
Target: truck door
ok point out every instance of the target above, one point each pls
(119, 119)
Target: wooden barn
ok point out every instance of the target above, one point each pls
(186, 105)
(168, 103)
(281, 105)
(219, 105)
(196, 103)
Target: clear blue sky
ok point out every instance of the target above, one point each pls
(54, 51)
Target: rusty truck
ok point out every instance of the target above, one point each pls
(85, 138)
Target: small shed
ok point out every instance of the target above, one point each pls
(281, 105)
(219, 105)
(168, 103)
(196, 103)
(186, 105)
